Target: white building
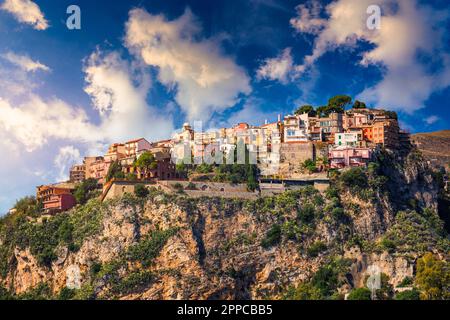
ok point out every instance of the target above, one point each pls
(346, 139)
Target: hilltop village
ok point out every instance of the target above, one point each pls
(297, 149)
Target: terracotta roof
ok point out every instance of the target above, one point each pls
(135, 140)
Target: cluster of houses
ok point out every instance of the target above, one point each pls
(279, 148)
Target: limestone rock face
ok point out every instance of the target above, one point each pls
(397, 268)
(216, 252)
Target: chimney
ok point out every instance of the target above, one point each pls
(279, 117)
(265, 121)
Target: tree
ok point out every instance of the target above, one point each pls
(140, 191)
(359, 105)
(339, 101)
(306, 109)
(146, 162)
(433, 278)
(252, 183)
(29, 206)
(322, 111)
(115, 171)
(359, 294)
(391, 115)
(84, 190)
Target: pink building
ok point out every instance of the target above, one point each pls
(135, 148)
(97, 168)
(341, 157)
(59, 203)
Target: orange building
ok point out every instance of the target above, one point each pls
(55, 199)
(386, 133)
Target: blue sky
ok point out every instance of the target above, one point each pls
(142, 68)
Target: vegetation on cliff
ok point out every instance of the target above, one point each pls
(294, 245)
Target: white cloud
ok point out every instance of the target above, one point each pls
(26, 11)
(35, 121)
(308, 18)
(279, 68)
(65, 159)
(118, 91)
(406, 30)
(431, 119)
(204, 78)
(24, 62)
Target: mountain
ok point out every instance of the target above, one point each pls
(300, 244)
(435, 146)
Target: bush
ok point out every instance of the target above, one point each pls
(5, 294)
(433, 278)
(273, 237)
(406, 282)
(316, 248)
(178, 186)
(40, 292)
(191, 186)
(141, 190)
(388, 245)
(66, 294)
(330, 276)
(149, 248)
(360, 294)
(304, 291)
(133, 282)
(28, 206)
(413, 294)
(309, 165)
(354, 178)
(85, 190)
(306, 213)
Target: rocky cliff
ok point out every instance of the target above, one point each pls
(170, 246)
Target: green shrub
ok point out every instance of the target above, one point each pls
(66, 294)
(406, 282)
(306, 213)
(133, 282)
(141, 190)
(354, 179)
(330, 276)
(433, 278)
(148, 249)
(316, 248)
(413, 294)
(273, 237)
(178, 186)
(360, 294)
(304, 291)
(86, 190)
(191, 186)
(5, 294)
(388, 244)
(40, 292)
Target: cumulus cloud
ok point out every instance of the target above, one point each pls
(35, 121)
(26, 11)
(118, 91)
(204, 78)
(407, 31)
(279, 68)
(65, 159)
(24, 62)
